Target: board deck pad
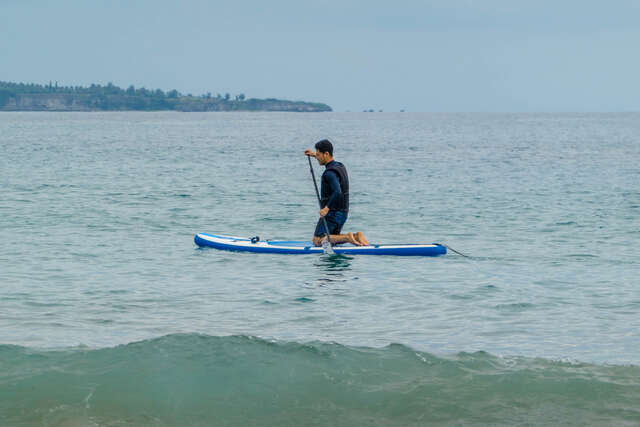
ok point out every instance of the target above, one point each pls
(299, 247)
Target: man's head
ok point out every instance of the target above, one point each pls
(324, 151)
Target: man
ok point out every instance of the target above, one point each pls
(334, 198)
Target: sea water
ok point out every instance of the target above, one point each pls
(110, 315)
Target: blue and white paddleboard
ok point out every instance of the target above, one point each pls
(233, 243)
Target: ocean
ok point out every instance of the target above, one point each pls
(110, 315)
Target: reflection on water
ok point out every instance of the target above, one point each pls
(331, 268)
(336, 262)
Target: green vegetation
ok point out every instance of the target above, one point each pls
(51, 97)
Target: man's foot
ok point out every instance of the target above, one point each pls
(353, 240)
(360, 238)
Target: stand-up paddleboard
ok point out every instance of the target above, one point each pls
(233, 243)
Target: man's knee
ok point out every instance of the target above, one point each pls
(317, 241)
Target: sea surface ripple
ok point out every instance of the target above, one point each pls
(98, 213)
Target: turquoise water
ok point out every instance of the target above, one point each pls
(203, 380)
(109, 314)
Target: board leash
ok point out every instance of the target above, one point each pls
(453, 250)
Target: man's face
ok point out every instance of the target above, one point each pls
(323, 158)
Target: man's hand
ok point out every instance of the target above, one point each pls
(324, 211)
(310, 153)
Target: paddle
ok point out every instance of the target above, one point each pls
(326, 244)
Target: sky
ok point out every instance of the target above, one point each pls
(414, 55)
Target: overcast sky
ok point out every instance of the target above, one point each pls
(448, 55)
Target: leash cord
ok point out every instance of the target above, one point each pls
(453, 250)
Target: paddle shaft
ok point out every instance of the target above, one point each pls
(315, 185)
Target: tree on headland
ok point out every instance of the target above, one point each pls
(5, 95)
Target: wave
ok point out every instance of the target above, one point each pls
(198, 380)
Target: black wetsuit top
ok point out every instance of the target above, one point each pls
(335, 187)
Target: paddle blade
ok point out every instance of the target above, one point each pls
(327, 247)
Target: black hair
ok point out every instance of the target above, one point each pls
(324, 146)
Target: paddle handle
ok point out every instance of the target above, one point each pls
(315, 185)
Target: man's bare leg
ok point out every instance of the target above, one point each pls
(360, 238)
(353, 240)
(337, 238)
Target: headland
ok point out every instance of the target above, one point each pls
(51, 97)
